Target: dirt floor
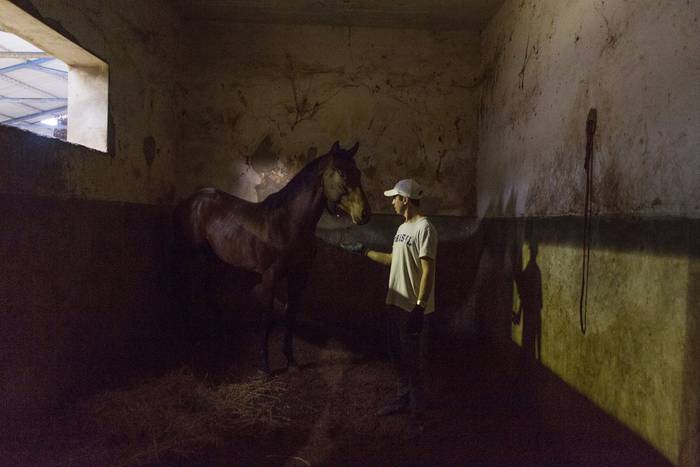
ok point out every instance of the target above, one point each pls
(325, 415)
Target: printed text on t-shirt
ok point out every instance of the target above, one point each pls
(403, 238)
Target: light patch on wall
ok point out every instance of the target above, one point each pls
(629, 352)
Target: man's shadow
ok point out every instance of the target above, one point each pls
(529, 285)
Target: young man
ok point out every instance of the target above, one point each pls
(410, 298)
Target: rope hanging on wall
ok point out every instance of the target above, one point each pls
(591, 123)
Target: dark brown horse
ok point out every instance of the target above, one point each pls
(274, 239)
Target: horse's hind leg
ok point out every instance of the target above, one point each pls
(297, 281)
(290, 324)
(263, 293)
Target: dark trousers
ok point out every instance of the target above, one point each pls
(408, 354)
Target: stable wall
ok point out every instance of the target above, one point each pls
(545, 65)
(84, 275)
(266, 99)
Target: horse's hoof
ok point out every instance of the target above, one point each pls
(264, 372)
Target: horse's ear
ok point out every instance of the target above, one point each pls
(335, 147)
(353, 150)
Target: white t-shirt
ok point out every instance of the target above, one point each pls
(413, 241)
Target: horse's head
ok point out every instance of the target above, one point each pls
(342, 185)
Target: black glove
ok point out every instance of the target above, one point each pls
(415, 320)
(354, 247)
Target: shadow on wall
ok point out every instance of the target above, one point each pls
(652, 243)
(493, 283)
(529, 311)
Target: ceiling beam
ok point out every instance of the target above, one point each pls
(36, 65)
(38, 115)
(24, 55)
(26, 64)
(32, 100)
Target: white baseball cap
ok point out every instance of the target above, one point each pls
(408, 187)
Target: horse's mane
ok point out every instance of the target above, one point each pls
(303, 178)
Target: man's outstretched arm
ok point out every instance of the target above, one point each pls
(360, 249)
(379, 257)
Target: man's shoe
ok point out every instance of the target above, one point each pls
(397, 406)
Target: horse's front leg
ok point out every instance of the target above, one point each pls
(296, 283)
(263, 293)
(290, 325)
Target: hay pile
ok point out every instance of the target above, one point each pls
(176, 414)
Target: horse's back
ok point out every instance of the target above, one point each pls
(231, 227)
(192, 214)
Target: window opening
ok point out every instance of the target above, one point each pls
(49, 84)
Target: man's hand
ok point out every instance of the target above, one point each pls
(415, 320)
(354, 247)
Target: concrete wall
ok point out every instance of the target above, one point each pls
(83, 273)
(265, 99)
(84, 298)
(545, 65)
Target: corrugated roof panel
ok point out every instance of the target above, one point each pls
(12, 110)
(22, 80)
(56, 64)
(7, 62)
(42, 81)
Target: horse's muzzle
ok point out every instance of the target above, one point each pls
(355, 204)
(363, 218)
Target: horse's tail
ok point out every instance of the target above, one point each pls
(189, 246)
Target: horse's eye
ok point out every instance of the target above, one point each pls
(340, 172)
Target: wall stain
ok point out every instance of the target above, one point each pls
(169, 194)
(526, 58)
(231, 119)
(149, 150)
(370, 171)
(612, 37)
(51, 176)
(242, 98)
(311, 153)
(610, 194)
(438, 174)
(458, 130)
(303, 109)
(489, 77)
(264, 158)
